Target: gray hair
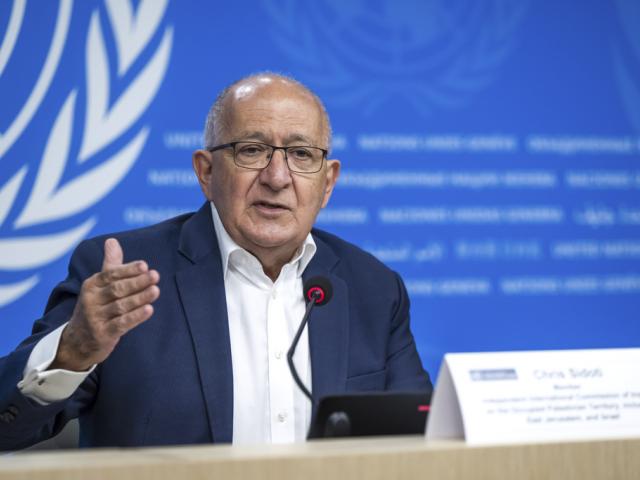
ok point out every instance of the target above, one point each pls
(217, 117)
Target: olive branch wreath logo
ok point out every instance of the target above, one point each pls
(106, 120)
(347, 70)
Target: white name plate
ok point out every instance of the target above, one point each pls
(543, 395)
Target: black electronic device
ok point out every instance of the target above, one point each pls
(367, 414)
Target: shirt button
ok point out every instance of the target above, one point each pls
(274, 294)
(282, 417)
(278, 354)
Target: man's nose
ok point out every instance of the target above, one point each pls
(277, 174)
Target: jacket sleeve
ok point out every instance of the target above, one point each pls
(24, 422)
(404, 367)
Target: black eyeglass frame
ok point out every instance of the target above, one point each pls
(274, 148)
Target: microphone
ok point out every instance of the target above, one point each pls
(317, 291)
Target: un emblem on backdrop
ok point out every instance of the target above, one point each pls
(626, 59)
(90, 145)
(365, 53)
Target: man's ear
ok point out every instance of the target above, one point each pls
(202, 162)
(333, 172)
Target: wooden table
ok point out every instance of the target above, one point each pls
(370, 458)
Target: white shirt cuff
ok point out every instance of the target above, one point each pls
(47, 386)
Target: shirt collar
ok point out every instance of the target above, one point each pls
(227, 246)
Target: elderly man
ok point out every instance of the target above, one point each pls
(177, 333)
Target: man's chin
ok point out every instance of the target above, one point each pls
(270, 238)
(270, 243)
(270, 235)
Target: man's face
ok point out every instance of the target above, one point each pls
(269, 212)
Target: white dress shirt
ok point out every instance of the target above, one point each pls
(263, 317)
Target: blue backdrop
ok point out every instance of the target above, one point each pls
(490, 149)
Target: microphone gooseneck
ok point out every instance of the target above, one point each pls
(317, 291)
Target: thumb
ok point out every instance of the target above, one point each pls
(112, 254)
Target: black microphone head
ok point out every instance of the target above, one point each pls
(318, 289)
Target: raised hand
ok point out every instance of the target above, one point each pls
(110, 303)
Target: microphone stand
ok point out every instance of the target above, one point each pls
(315, 296)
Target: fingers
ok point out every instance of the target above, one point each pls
(110, 291)
(131, 319)
(113, 274)
(113, 255)
(122, 288)
(125, 305)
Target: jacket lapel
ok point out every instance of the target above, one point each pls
(201, 286)
(328, 328)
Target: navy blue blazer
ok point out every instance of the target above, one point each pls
(169, 381)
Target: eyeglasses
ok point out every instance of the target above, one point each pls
(257, 156)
